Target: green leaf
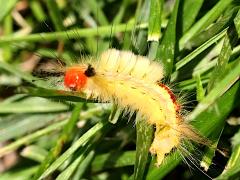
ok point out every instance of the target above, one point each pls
(23, 174)
(139, 38)
(82, 140)
(115, 113)
(25, 76)
(37, 105)
(30, 138)
(52, 93)
(218, 90)
(154, 26)
(190, 12)
(205, 21)
(6, 7)
(221, 68)
(97, 11)
(232, 168)
(34, 152)
(70, 34)
(144, 140)
(84, 165)
(210, 151)
(117, 159)
(55, 14)
(64, 137)
(7, 29)
(82, 155)
(118, 18)
(37, 10)
(13, 126)
(200, 90)
(67, 173)
(237, 23)
(200, 49)
(166, 50)
(223, 22)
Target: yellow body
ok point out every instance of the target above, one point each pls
(131, 82)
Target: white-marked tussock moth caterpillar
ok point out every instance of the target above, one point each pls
(134, 82)
(196, 44)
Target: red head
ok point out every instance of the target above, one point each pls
(76, 77)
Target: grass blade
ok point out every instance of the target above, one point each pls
(218, 90)
(190, 12)
(6, 7)
(154, 22)
(30, 138)
(82, 140)
(237, 22)
(167, 48)
(200, 49)
(70, 34)
(64, 137)
(144, 140)
(205, 21)
(221, 68)
(232, 168)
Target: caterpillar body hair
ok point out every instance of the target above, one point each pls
(134, 82)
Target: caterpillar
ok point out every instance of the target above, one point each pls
(134, 82)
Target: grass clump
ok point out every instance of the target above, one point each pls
(63, 136)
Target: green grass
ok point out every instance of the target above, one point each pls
(59, 134)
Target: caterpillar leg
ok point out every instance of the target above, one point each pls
(165, 139)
